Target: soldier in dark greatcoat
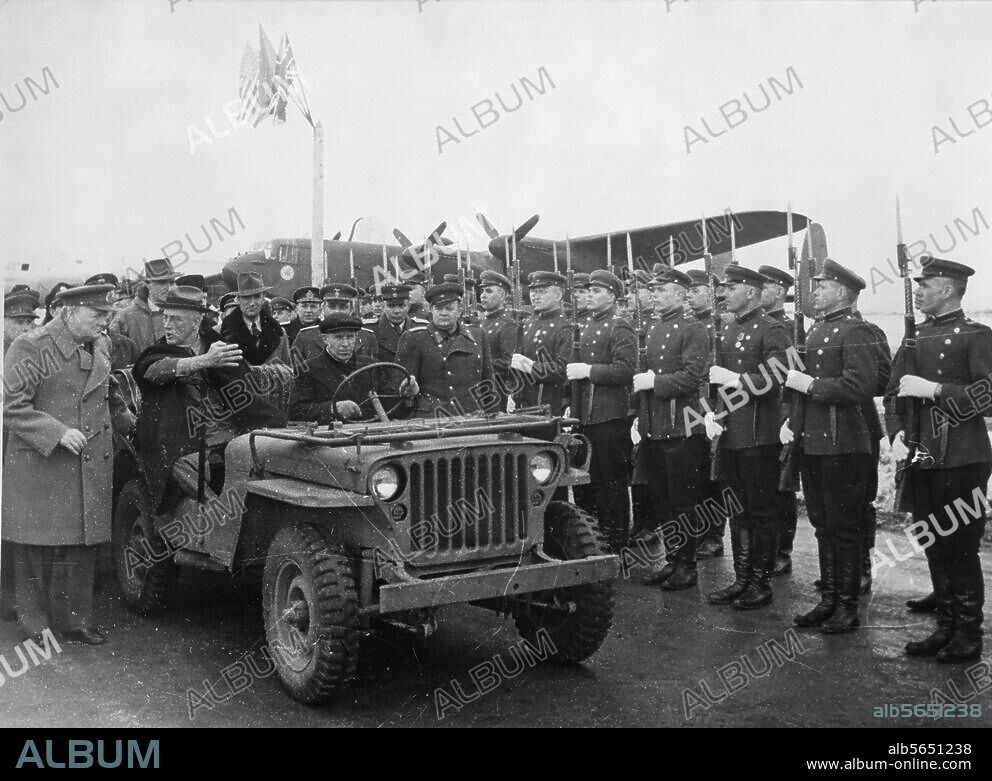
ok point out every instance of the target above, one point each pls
(307, 301)
(60, 404)
(669, 455)
(605, 370)
(545, 347)
(500, 328)
(840, 378)
(452, 373)
(947, 483)
(752, 360)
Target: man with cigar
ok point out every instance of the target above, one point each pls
(58, 467)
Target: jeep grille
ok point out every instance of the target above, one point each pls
(466, 503)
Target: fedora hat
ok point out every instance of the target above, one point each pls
(159, 270)
(185, 297)
(250, 283)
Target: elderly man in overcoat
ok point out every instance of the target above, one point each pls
(60, 404)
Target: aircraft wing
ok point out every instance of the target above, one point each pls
(651, 244)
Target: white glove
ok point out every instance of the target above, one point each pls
(510, 404)
(724, 377)
(713, 429)
(578, 371)
(917, 387)
(899, 450)
(635, 435)
(798, 381)
(644, 381)
(785, 434)
(521, 363)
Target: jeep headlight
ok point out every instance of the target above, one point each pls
(542, 467)
(386, 482)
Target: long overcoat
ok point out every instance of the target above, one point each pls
(50, 495)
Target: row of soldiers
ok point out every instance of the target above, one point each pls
(702, 379)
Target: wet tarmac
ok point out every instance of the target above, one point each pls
(671, 660)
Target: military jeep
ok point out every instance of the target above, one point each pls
(363, 525)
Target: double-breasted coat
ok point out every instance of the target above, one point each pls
(52, 496)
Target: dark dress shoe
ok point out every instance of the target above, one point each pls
(961, 649)
(926, 605)
(930, 645)
(709, 549)
(814, 617)
(659, 577)
(88, 635)
(844, 619)
(758, 594)
(682, 578)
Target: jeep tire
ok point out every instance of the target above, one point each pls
(310, 611)
(569, 534)
(144, 567)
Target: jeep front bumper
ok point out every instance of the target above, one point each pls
(413, 594)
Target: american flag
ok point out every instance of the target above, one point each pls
(269, 79)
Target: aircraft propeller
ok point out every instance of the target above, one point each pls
(498, 243)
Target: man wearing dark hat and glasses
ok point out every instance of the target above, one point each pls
(251, 327)
(948, 480)
(58, 467)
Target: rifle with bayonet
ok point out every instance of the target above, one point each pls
(356, 306)
(704, 389)
(788, 479)
(907, 407)
(575, 394)
(643, 398)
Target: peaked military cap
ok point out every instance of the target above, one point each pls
(339, 321)
(546, 279)
(102, 279)
(281, 303)
(338, 291)
(742, 275)
(777, 275)
(453, 279)
(159, 270)
(603, 278)
(581, 278)
(940, 267)
(93, 296)
(393, 293)
(835, 271)
(20, 303)
(226, 300)
(672, 275)
(309, 294)
(185, 297)
(494, 278)
(698, 277)
(443, 293)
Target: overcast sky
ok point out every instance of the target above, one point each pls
(101, 167)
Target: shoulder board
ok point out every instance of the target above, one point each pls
(370, 321)
(416, 329)
(368, 331)
(306, 328)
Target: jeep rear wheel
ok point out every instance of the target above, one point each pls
(575, 619)
(310, 611)
(145, 570)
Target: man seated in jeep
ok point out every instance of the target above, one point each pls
(314, 388)
(193, 386)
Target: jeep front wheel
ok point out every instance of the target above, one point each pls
(310, 611)
(575, 619)
(145, 570)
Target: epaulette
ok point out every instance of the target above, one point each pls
(414, 329)
(421, 321)
(368, 331)
(306, 328)
(370, 321)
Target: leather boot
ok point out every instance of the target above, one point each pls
(685, 575)
(941, 579)
(967, 594)
(659, 577)
(925, 605)
(764, 544)
(865, 585)
(868, 526)
(847, 574)
(828, 589)
(709, 548)
(740, 543)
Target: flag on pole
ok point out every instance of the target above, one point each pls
(269, 79)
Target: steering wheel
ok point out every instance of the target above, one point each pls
(375, 398)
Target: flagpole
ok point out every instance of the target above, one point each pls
(317, 236)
